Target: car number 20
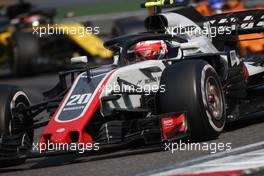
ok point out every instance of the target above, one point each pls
(79, 99)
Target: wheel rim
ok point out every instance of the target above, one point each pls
(20, 101)
(214, 98)
(17, 119)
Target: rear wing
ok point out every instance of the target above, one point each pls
(244, 22)
(238, 23)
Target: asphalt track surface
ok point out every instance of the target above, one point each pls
(119, 163)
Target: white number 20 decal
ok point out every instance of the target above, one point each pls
(79, 99)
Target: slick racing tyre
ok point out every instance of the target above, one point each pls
(193, 87)
(15, 139)
(24, 51)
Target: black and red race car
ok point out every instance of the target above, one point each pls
(161, 87)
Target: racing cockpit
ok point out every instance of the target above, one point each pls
(124, 46)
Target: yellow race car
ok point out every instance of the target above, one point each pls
(30, 41)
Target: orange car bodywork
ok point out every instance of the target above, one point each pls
(204, 10)
(247, 43)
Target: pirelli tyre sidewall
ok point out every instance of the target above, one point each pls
(15, 139)
(193, 86)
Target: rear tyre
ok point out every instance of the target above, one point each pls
(24, 53)
(194, 87)
(15, 139)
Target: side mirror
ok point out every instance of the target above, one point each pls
(81, 59)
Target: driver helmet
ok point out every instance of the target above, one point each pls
(151, 50)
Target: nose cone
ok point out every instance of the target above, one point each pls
(61, 137)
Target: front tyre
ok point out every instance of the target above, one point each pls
(15, 138)
(193, 86)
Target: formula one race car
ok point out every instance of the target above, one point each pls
(31, 42)
(15, 20)
(161, 87)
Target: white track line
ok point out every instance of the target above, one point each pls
(241, 158)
